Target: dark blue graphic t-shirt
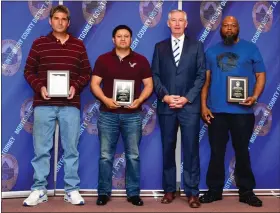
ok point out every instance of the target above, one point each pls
(242, 59)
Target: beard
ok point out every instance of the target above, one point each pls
(229, 39)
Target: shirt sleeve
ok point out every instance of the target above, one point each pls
(99, 68)
(31, 69)
(146, 69)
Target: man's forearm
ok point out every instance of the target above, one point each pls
(97, 91)
(259, 86)
(147, 91)
(204, 90)
(204, 94)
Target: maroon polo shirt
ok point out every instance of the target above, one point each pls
(132, 67)
(47, 53)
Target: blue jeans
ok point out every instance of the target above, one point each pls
(43, 131)
(110, 125)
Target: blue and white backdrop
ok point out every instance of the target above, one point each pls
(93, 22)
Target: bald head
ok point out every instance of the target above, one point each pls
(230, 19)
(230, 30)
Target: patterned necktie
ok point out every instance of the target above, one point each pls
(176, 51)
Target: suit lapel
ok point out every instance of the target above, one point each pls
(169, 43)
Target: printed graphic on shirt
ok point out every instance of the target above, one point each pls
(227, 61)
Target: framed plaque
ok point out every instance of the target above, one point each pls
(58, 83)
(237, 89)
(123, 91)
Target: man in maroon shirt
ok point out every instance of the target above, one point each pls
(56, 51)
(122, 64)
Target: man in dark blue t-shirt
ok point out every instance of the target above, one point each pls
(227, 107)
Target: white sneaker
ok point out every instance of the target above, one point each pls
(74, 197)
(36, 197)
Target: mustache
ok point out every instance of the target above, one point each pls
(229, 37)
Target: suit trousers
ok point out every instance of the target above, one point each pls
(189, 124)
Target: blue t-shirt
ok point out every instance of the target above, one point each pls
(242, 59)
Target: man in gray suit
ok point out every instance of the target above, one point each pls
(179, 73)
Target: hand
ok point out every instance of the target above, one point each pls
(44, 93)
(72, 92)
(206, 114)
(110, 103)
(136, 103)
(249, 101)
(181, 102)
(171, 100)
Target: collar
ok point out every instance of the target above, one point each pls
(53, 38)
(131, 54)
(181, 38)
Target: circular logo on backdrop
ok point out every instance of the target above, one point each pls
(207, 10)
(95, 10)
(118, 177)
(151, 10)
(9, 171)
(148, 118)
(35, 6)
(231, 170)
(11, 60)
(25, 109)
(90, 116)
(259, 110)
(259, 13)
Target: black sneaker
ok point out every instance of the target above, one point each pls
(135, 200)
(102, 200)
(210, 197)
(250, 198)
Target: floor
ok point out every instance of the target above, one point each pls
(151, 204)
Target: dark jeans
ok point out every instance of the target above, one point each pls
(110, 125)
(241, 128)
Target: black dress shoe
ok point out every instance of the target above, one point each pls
(250, 198)
(210, 197)
(102, 200)
(135, 200)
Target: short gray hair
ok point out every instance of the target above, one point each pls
(181, 11)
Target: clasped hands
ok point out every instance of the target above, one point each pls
(175, 101)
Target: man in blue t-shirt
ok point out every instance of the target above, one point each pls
(242, 61)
